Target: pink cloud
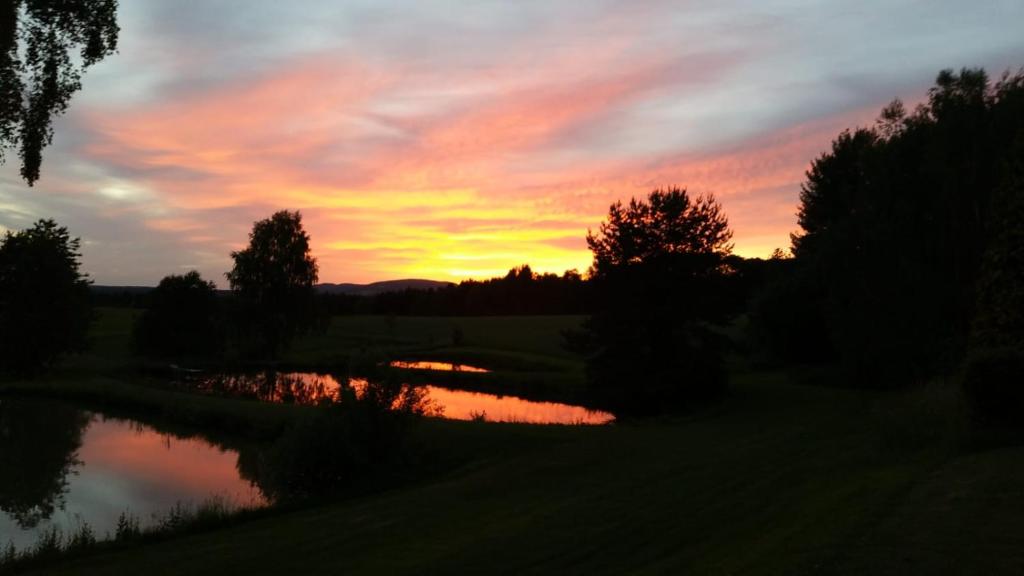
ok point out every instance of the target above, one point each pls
(394, 184)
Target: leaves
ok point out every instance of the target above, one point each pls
(38, 70)
(668, 222)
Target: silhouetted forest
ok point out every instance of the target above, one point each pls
(909, 256)
(520, 292)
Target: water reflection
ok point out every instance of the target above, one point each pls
(62, 467)
(437, 366)
(284, 387)
(312, 388)
(38, 448)
(463, 405)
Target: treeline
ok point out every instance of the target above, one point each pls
(909, 261)
(520, 292)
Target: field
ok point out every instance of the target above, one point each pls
(779, 478)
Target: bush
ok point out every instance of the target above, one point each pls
(357, 441)
(183, 319)
(993, 380)
(642, 372)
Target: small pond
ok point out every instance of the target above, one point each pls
(61, 466)
(310, 388)
(436, 366)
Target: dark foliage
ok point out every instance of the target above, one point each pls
(45, 310)
(994, 368)
(273, 283)
(787, 322)
(660, 272)
(37, 81)
(183, 319)
(895, 220)
(667, 222)
(356, 442)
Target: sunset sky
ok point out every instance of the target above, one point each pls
(448, 140)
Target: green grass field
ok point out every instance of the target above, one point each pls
(779, 478)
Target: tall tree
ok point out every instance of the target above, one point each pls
(659, 266)
(895, 222)
(38, 68)
(667, 222)
(45, 309)
(275, 276)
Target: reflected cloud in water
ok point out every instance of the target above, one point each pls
(62, 466)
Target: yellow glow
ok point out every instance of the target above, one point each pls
(454, 193)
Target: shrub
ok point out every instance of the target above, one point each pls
(183, 319)
(993, 380)
(361, 438)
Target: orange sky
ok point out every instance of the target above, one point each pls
(460, 142)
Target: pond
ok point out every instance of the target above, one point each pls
(61, 466)
(436, 366)
(310, 388)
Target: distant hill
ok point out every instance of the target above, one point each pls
(380, 287)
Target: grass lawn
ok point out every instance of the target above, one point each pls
(777, 479)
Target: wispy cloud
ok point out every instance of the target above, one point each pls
(436, 139)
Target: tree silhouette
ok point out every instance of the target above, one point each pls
(668, 222)
(659, 269)
(274, 279)
(38, 70)
(182, 319)
(895, 224)
(44, 300)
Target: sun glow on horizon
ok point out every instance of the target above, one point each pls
(457, 143)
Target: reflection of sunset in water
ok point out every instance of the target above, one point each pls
(122, 467)
(439, 366)
(156, 463)
(463, 405)
(312, 388)
(281, 387)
